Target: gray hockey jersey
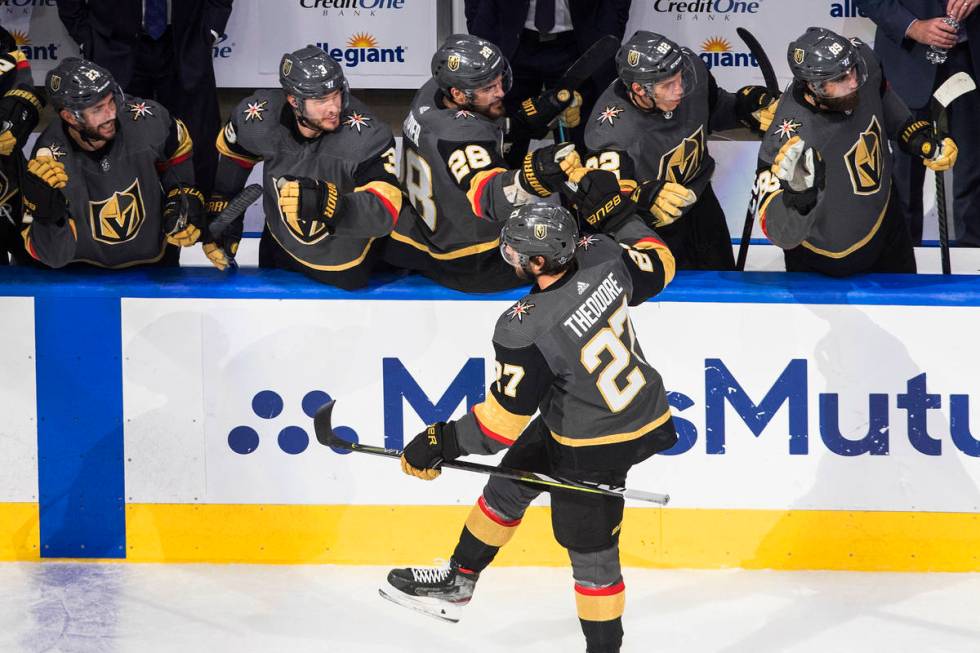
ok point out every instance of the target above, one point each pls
(570, 352)
(115, 197)
(642, 145)
(359, 157)
(858, 164)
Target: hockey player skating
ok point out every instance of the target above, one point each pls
(111, 181)
(567, 351)
(651, 127)
(20, 110)
(824, 182)
(328, 174)
(454, 172)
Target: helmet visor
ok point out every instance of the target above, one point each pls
(844, 84)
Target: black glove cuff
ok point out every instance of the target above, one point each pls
(22, 108)
(450, 443)
(530, 179)
(916, 138)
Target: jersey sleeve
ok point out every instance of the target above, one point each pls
(617, 161)
(235, 159)
(175, 165)
(478, 169)
(647, 259)
(523, 378)
(721, 107)
(377, 198)
(785, 227)
(54, 244)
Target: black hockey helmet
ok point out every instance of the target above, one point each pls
(820, 56)
(539, 229)
(648, 58)
(310, 73)
(76, 84)
(467, 63)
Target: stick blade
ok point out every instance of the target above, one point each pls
(598, 54)
(954, 87)
(322, 426)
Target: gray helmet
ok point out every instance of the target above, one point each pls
(310, 73)
(76, 84)
(647, 58)
(539, 230)
(820, 56)
(467, 63)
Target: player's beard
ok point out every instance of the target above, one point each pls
(842, 104)
(493, 111)
(99, 133)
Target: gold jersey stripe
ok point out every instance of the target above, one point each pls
(476, 186)
(664, 254)
(391, 193)
(222, 146)
(479, 248)
(614, 438)
(856, 246)
(328, 268)
(500, 420)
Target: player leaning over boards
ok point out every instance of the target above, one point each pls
(651, 126)
(328, 174)
(568, 352)
(454, 172)
(111, 181)
(824, 182)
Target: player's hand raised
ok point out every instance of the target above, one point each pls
(918, 139)
(755, 107)
(801, 173)
(600, 201)
(535, 114)
(546, 168)
(40, 189)
(665, 200)
(429, 449)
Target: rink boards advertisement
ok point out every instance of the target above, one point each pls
(174, 424)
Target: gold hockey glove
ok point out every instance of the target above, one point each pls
(665, 200)
(183, 216)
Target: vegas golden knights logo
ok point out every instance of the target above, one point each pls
(540, 231)
(798, 55)
(681, 164)
(453, 62)
(633, 57)
(287, 67)
(118, 218)
(864, 160)
(55, 82)
(307, 232)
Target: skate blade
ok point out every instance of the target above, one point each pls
(431, 607)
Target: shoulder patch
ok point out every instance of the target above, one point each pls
(609, 114)
(587, 241)
(462, 113)
(54, 150)
(520, 310)
(139, 110)
(787, 128)
(357, 121)
(254, 110)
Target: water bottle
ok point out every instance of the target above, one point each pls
(936, 55)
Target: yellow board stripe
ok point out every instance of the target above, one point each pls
(652, 537)
(613, 438)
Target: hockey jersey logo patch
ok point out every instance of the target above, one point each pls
(681, 164)
(864, 160)
(520, 310)
(118, 218)
(356, 121)
(254, 110)
(139, 110)
(608, 115)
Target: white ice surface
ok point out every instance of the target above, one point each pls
(103, 608)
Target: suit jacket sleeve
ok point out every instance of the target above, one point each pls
(216, 15)
(74, 15)
(891, 16)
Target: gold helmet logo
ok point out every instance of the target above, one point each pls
(681, 164)
(798, 55)
(864, 160)
(633, 57)
(118, 218)
(287, 67)
(55, 82)
(540, 231)
(453, 62)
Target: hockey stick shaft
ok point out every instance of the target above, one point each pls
(942, 216)
(326, 436)
(772, 85)
(235, 209)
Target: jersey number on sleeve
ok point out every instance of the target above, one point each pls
(515, 374)
(609, 339)
(418, 182)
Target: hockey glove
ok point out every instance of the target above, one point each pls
(572, 116)
(40, 189)
(801, 173)
(183, 216)
(547, 167)
(665, 200)
(221, 250)
(600, 201)
(19, 113)
(918, 139)
(302, 198)
(531, 120)
(755, 108)
(429, 449)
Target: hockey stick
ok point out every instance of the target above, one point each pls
(236, 207)
(957, 85)
(579, 73)
(326, 436)
(772, 85)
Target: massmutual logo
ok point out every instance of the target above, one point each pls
(846, 9)
(353, 7)
(717, 51)
(707, 9)
(363, 48)
(35, 52)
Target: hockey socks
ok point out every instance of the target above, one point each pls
(483, 535)
(600, 611)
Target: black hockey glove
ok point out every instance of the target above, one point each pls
(801, 173)
(601, 203)
(302, 198)
(221, 250)
(531, 120)
(546, 168)
(918, 139)
(40, 190)
(183, 216)
(429, 449)
(755, 107)
(20, 110)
